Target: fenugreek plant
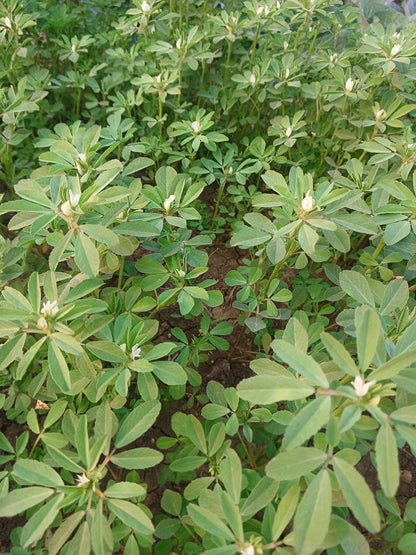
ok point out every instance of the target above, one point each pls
(207, 277)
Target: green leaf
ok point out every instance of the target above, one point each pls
(356, 286)
(231, 474)
(187, 464)
(138, 459)
(138, 421)
(313, 515)
(339, 354)
(368, 329)
(395, 232)
(11, 350)
(131, 515)
(407, 415)
(285, 511)
(358, 495)
(260, 496)
(307, 422)
(39, 522)
(209, 522)
(100, 234)
(21, 499)
(64, 532)
(266, 389)
(297, 462)
(86, 255)
(124, 490)
(169, 372)
(393, 366)
(58, 367)
(37, 473)
(108, 351)
(387, 460)
(300, 362)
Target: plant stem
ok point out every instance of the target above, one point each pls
(120, 273)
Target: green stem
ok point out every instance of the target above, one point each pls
(120, 273)
(254, 44)
(217, 202)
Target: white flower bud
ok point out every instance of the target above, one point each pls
(66, 208)
(308, 202)
(82, 156)
(82, 480)
(181, 273)
(230, 170)
(395, 50)
(73, 47)
(152, 29)
(266, 10)
(7, 22)
(123, 347)
(285, 45)
(361, 387)
(349, 85)
(278, 4)
(145, 6)
(287, 73)
(135, 352)
(158, 78)
(260, 10)
(168, 202)
(74, 198)
(179, 43)
(196, 126)
(288, 131)
(50, 308)
(248, 549)
(381, 114)
(42, 324)
(333, 58)
(253, 79)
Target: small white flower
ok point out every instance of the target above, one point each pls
(278, 4)
(120, 215)
(73, 47)
(349, 85)
(135, 352)
(152, 29)
(234, 19)
(123, 347)
(266, 10)
(66, 208)
(196, 126)
(287, 73)
(285, 45)
(42, 324)
(381, 114)
(50, 308)
(74, 198)
(158, 78)
(168, 202)
(361, 387)
(253, 79)
(333, 58)
(181, 273)
(230, 170)
(179, 43)
(260, 10)
(395, 50)
(82, 480)
(7, 22)
(395, 35)
(288, 131)
(248, 549)
(308, 202)
(145, 6)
